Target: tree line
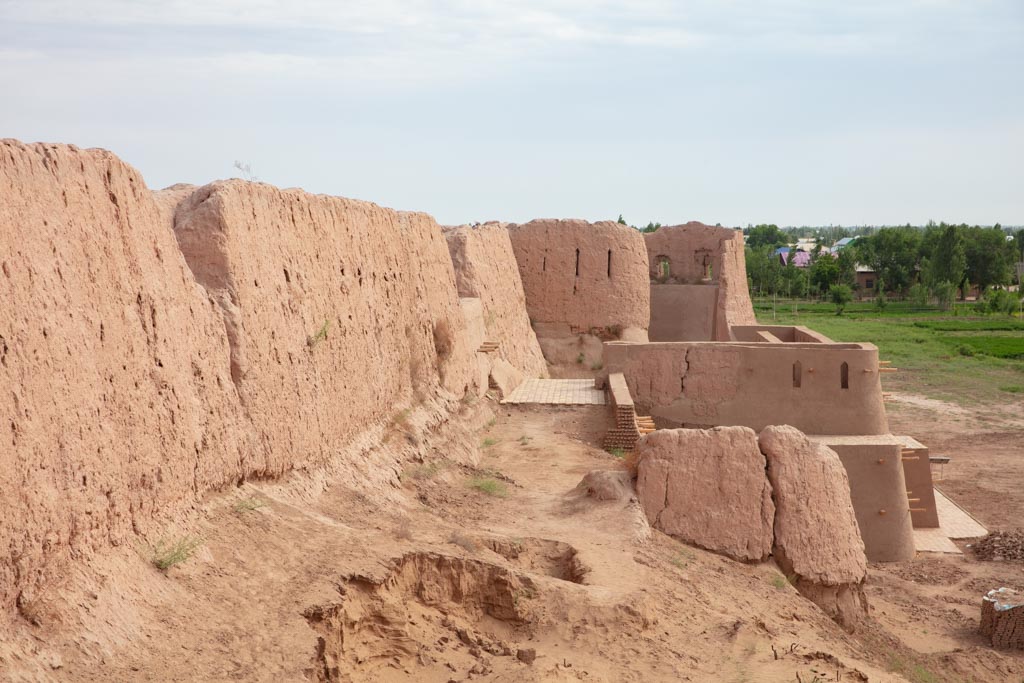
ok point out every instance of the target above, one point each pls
(933, 262)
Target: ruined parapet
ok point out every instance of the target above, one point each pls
(1002, 618)
(817, 541)
(708, 488)
(316, 293)
(818, 388)
(485, 268)
(584, 282)
(698, 278)
(626, 431)
(120, 408)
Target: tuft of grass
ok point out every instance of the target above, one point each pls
(1013, 389)
(488, 442)
(488, 485)
(467, 543)
(314, 339)
(779, 581)
(490, 423)
(421, 472)
(580, 358)
(524, 440)
(249, 504)
(682, 558)
(617, 452)
(167, 553)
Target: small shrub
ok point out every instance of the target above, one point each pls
(919, 295)
(488, 442)
(617, 452)
(779, 581)
(964, 350)
(840, 295)
(489, 485)
(682, 558)
(491, 423)
(249, 504)
(580, 358)
(321, 335)
(597, 366)
(166, 554)
(1013, 389)
(524, 440)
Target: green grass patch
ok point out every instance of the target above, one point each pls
(617, 452)
(167, 553)
(941, 355)
(488, 485)
(249, 504)
(488, 442)
(1013, 389)
(971, 325)
(1000, 347)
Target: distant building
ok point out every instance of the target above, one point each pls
(843, 243)
(867, 279)
(801, 259)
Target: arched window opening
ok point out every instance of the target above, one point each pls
(663, 268)
(577, 263)
(609, 263)
(798, 372)
(844, 375)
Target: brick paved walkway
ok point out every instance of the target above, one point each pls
(557, 391)
(954, 522)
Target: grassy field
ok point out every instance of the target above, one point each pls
(955, 356)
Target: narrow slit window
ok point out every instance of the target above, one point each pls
(544, 264)
(577, 263)
(797, 374)
(609, 263)
(844, 375)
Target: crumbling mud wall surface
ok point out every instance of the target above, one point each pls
(588, 276)
(296, 331)
(170, 198)
(708, 487)
(818, 388)
(695, 253)
(485, 268)
(817, 540)
(339, 313)
(118, 401)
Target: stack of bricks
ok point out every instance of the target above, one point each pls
(1002, 618)
(626, 432)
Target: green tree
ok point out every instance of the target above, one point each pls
(840, 295)
(990, 257)
(766, 235)
(621, 221)
(824, 272)
(846, 261)
(893, 254)
(944, 257)
(945, 292)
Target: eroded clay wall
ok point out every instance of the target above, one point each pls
(589, 276)
(118, 401)
(485, 268)
(755, 385)
(339, 312)
(298, 328)
(703, 254)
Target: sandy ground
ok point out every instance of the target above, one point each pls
(439, 581)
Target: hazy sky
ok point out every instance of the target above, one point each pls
(729, 111)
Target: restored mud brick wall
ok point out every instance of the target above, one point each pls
(683, 312)
(688, 248)
(706, 384)
(339, 312)
(594, 295)
(118, 401)
(879, 495)
(485, 268)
